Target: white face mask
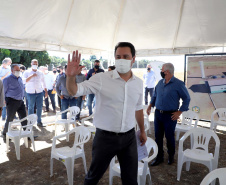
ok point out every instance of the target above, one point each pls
(122, 65)
(34, 66)
(46, 71)
(17, 73)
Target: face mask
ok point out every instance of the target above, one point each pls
(34, 66)
(148, 68)
(58, 71)
(46, 71)
(54, 72)
(17, 73)
(97, 67)
(162, 74)
(122, 65)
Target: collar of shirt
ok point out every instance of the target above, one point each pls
(170, 81)
(116, 75)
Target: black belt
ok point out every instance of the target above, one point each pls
(166, 112)
(114, 133)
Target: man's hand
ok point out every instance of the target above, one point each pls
(83, 97)
(143, 138)
(93, 74)
(149, 110)
(73, 67)
(46, 94)
(176, 115)
(61, 96)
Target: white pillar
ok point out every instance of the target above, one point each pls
(202, 69)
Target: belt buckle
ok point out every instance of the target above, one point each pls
(161, 111)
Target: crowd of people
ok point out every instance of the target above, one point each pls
(118, 99)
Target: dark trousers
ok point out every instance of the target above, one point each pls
(150, 91)
(59, 102)
(79, 104)
(52, 99)
(164, 125)
(105, 147)
(12, 107)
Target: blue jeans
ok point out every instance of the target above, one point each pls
(4, 113)
(164, 125)
(90, 101)
(38, 99)
(52, 99)
(65, 104)
(150, 91)
(79, 104)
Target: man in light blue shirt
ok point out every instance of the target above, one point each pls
(166, 99)
(14, 93)
(149, 83)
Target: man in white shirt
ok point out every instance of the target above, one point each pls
(119, 101)
(149, 83)
(49, 80)
(34, 88)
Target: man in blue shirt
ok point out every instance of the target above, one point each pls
(166, 99)
(14, 93)
(92, 72)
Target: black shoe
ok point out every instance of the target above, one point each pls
(170, 160)
(157, 161)
(46, 110)
(41, 125)
(33, 136)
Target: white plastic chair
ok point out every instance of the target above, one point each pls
(90, 125)
(73, 111)
(143, 168)
(146, 125)
(186, 123)
(219, 173)
(221, 114)
(67, 155)
(199, 152)
(16, 135)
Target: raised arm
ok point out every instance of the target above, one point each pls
(73, 69)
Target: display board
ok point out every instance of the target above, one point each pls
(206, 82)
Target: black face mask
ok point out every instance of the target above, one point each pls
(162, 74)
(97, 67)
(58, 71)
(148, 68)
(54, 72)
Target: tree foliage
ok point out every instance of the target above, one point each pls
(24, 57)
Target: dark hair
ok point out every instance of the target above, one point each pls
(65, 67)
(23, 67)
(60, 67)
(97, 61)
(126, 44)
(13, 65)
(111, 67)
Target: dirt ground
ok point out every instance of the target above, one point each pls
(34, 167)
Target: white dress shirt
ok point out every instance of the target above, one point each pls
(116, 100)
(149, 79)
(49, 80)
(35, 84)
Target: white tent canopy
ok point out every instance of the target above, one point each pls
(95, 26)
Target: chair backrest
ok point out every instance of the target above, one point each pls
(188, 116)
(31, 120)
(74, 110)
(202, 137)
(218, 173)
(82, 135)
(221, 112)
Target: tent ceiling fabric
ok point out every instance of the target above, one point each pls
(95, 26)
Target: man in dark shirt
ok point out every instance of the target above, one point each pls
(14, 94)
(92, 72)
(166, 99)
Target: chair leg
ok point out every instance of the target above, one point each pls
(69, 163)
(179, 168)
(33, 142)
(66, 130)
(17, 147)
(84, 162)
(51, 167)
(188, 163)
(26, 142)
(178, 134)
(7, 143)
(149, 178)
(55, 129)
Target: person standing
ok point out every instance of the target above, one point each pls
(14, 94)
(34, 88)
(49, 81)
(119, 97)
(91, 73)
(66, 99)
(166, 99)
(61, 73)
(149, 83)
(4, 72)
